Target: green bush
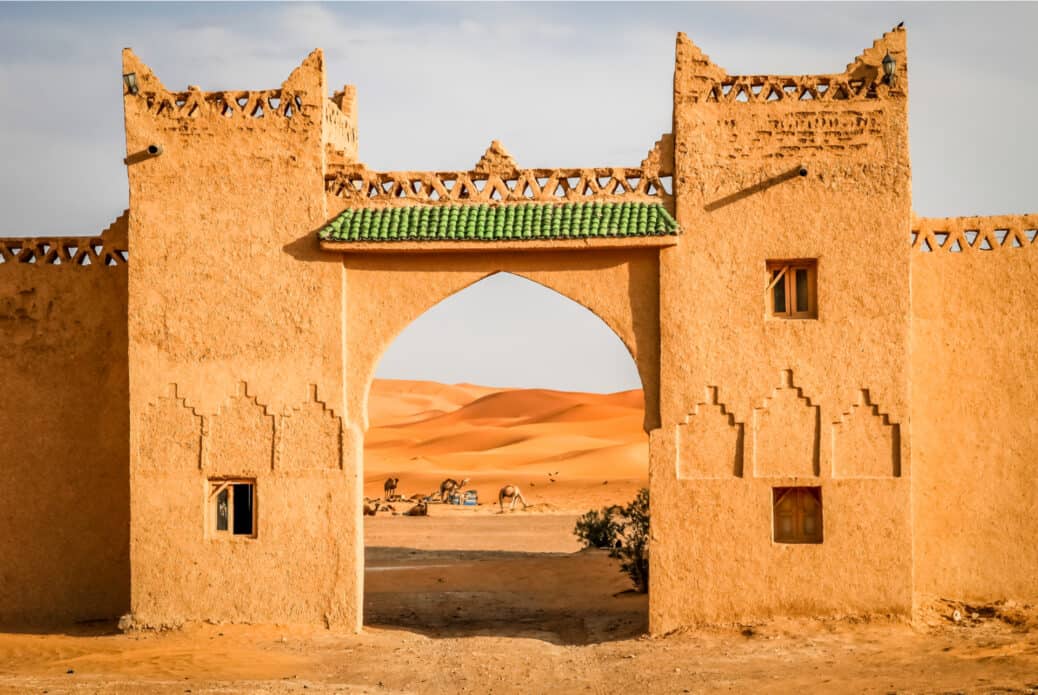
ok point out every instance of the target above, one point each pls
(598, 527)
(625, 532)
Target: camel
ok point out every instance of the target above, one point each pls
(374, 505)
(420, 509)
(449, 486)
(390, 487)
(512, 492)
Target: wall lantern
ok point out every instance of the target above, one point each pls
(130, 80)
(889, 66)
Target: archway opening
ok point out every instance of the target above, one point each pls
(505, 383)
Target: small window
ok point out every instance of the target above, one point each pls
(792, 289)
(232, 505)
(797, 514)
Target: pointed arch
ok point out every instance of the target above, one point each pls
(382, 301)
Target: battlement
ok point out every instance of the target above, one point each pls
(497, 179)
(701, 80)
(299, 102)
(107, 250)
(970, 234)
(195, 103)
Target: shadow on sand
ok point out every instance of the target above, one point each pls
(561, 598)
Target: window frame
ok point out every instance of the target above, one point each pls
(784, 271)
(799, 494)
(214, 486)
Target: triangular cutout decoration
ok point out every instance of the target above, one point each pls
(955, 247)
(940, 238)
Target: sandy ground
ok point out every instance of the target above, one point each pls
(566, 451)
(470, 600)
(501, 604)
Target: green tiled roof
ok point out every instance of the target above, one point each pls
(501, 222)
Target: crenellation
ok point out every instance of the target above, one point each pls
(109, 250)
(974, 234)
(358, 186)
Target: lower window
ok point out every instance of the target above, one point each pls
(232, 507)
(797, 514)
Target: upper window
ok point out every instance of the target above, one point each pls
(232, 507)
(792, 289)
(797, 514)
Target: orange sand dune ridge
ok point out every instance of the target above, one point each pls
(567, 451)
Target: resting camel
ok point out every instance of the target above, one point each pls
(390, 487)
(512, 492)
(420, 509)
(373, 506)
(449, 486)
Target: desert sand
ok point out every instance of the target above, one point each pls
(567, 451)
(469, 600)
(448, 615)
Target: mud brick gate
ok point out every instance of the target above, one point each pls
(840, 396)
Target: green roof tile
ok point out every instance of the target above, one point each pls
(531, 221)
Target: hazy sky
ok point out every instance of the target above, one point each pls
(559, 85)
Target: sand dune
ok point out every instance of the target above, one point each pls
(569, 451)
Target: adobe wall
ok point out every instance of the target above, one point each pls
(236, 353)
(64, 524)
(974, 367)
(750, 402)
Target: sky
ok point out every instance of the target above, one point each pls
(559, 84)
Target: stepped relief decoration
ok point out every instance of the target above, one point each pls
(866, 444)
(785, 433)
(969, 234)
(241, 436)
(109, 250)
(710, 441)
(311, 436)
(169, 434)
(497, 179)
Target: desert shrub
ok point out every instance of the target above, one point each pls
(625, 532)
(597, 528)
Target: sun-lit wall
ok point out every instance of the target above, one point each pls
(64, 491)
(750, 402)
(974, 400)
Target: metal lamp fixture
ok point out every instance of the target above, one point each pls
(130, 80)
(889, 66)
